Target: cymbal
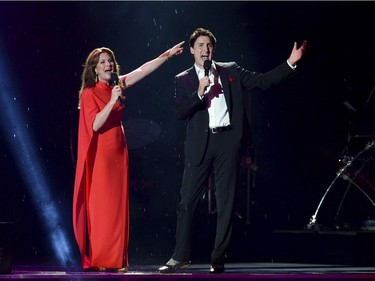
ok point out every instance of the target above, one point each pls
(140, 132)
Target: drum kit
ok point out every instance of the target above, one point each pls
(356, 166)
(355, 175)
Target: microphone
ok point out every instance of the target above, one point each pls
(114, 82)
(114, 78)
(207, 67)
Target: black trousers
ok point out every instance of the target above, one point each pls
(222, 154)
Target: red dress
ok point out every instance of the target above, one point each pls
(100, 201)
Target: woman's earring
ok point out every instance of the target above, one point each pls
(96, 77)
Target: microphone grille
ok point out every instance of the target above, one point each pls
(114, 78)
(207, 64)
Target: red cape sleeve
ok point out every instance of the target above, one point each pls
(88, 111)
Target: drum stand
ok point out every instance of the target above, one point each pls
(343, 173)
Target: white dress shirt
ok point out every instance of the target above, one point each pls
(217, 106)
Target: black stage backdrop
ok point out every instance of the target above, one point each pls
(299, 129)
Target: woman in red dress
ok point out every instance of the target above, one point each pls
(100, 200)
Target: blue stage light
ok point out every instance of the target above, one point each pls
(18, 134)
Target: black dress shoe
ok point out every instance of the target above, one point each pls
(217, 268)
(172, 265)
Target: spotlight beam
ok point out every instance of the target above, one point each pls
(18, 134)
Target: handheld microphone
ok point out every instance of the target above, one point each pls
(114, 82)
(207, 67)
(114, 78)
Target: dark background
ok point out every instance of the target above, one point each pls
(299, 129)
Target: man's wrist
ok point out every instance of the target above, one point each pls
(291, 65)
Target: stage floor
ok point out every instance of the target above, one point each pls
(234, 271)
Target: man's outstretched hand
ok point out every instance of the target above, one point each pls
(297, 54)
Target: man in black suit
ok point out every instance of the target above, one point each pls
(211, 96)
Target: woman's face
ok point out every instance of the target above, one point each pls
(105, 66)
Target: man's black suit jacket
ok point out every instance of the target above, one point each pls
(236, 82)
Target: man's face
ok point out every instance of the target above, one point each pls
(202, 50)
